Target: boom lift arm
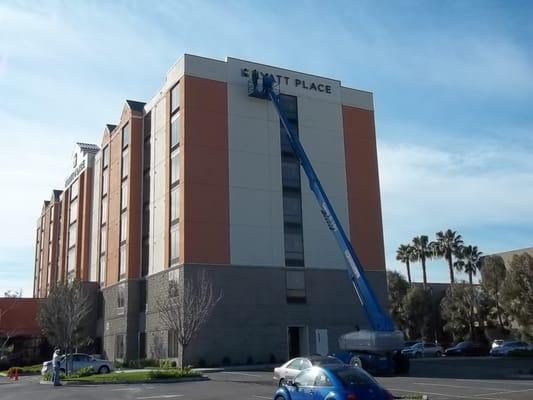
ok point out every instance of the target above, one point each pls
(379, 320)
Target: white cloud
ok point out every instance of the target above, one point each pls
(426, 189)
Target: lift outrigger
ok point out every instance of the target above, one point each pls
(380, 346)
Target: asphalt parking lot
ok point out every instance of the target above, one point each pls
(253, 385)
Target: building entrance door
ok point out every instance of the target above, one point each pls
(294, 341)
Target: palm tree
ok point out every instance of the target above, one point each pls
(469, 261)
(422, 251)
(447, 245)
(404, 254)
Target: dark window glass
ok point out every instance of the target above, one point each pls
(146, 220)
(146, 187)
(322, 380)
(120, 296)
(292, 207)
(142, 345)
(353, 376)
(145, 257)
(290, 173)
(147, 125)
(142, 295)
(146, 154)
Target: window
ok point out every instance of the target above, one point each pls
(125, 163)
(119, 346)
(306, 378)
(146, 154)
(296, 364)
(146, 187)
(105, 181)
(122, 262)
(120, 295)
(147, 124)
(125, 136)
(174, 244)
(175, 167)
(72, 233)
(322, 380)
(295, 280)
(103, 239)
(292, 207)
(102, 269)
(104, 212)
(175, 130)
(173, 283)
(174, 204)
(172, 344)
(105, 157)
(142, 295)
(123, 226)
(146, 220)
(354, 376)
(71, 263)
(293, 244)
(124, 195)
(175, 98)
(73, 211)
(142, 345)
(74, 189)
(290, 173)
(145, 257)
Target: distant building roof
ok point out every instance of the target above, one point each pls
(56, 194)
(508, 255)
(110, 127)
(136, 105)
(88, 147)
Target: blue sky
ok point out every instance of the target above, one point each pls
(452, 83)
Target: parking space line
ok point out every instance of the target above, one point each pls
(262, 397)
(162, 396)
(454, 386)
(455, 396)
(497, 382)
(242, 373)
(507, 392)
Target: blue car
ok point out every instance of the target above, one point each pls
(339, 382)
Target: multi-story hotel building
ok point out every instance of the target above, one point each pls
(201, 178)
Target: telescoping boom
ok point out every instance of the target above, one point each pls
(379, 320)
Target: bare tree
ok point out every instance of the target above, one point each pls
(187, 306)
(61, 315)
(6, 335)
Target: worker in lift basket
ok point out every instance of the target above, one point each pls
(268, 81)
(255, 77)
(55, 365)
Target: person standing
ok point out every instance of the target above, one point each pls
(56, 362)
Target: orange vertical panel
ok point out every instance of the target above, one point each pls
(205, 186)
(364, 203)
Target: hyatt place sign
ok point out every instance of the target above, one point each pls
(288, 81)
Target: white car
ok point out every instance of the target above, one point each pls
(80, 360)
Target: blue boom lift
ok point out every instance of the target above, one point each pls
(379, 348)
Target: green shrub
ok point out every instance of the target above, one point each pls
(171, 373)
(85, 371)
(165, 364)
(48, 376)
(119, 364)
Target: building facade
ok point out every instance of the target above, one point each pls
(201, 180)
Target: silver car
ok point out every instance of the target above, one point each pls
(80, 360)
(291, 368)
(422, 349)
